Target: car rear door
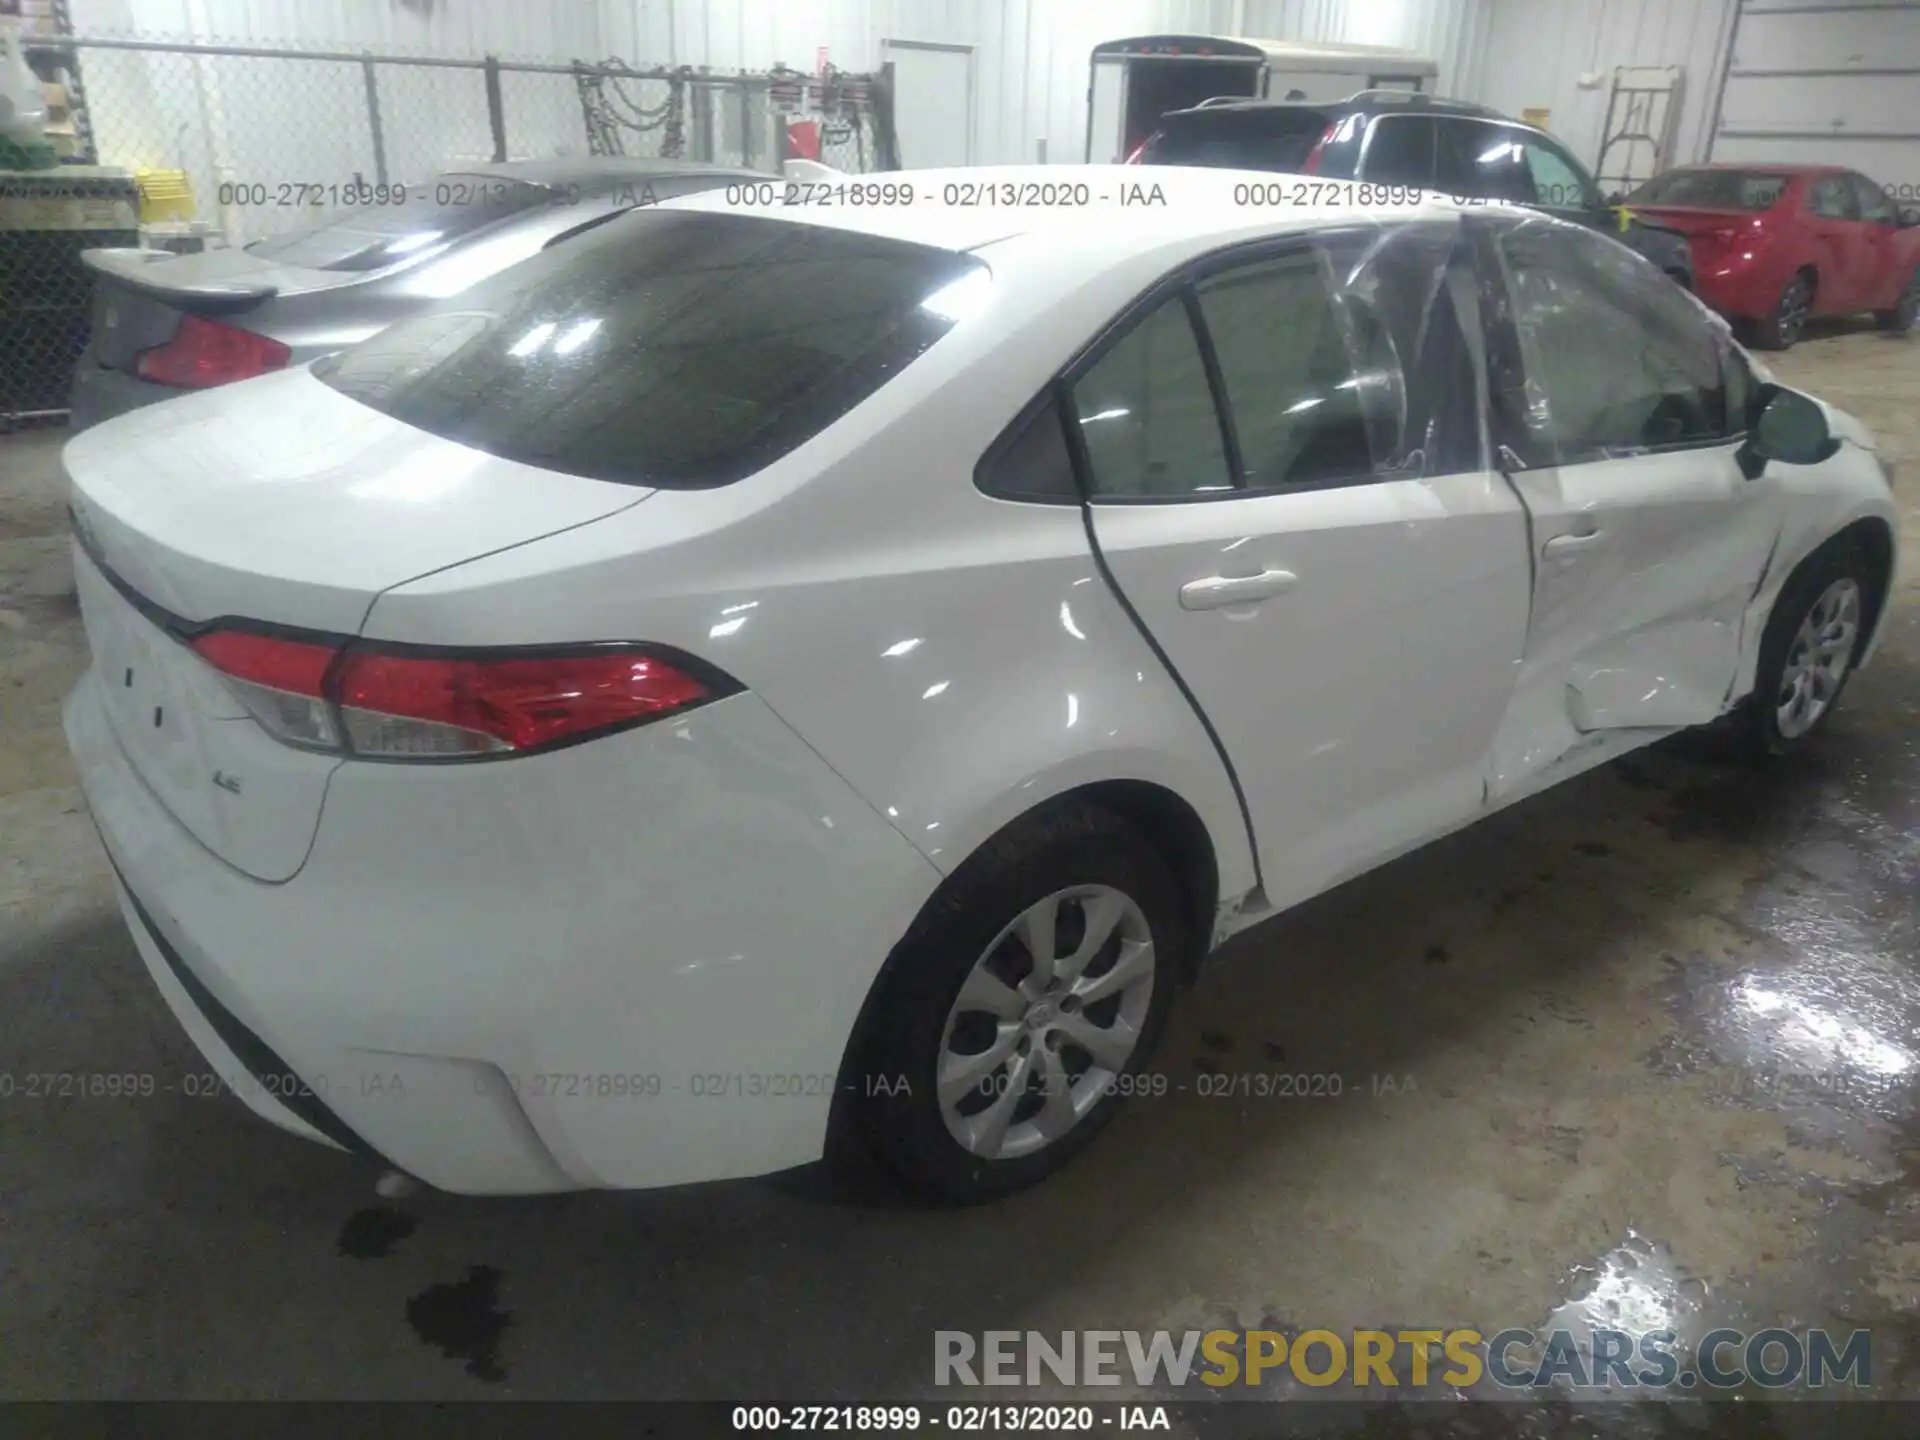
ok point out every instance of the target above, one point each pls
(1287, 487)
(1618, 408)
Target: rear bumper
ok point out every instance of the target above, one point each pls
(627, 968)
(99, 394)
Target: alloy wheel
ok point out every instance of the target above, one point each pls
(1048, 1017)
(1795, 301)
(1818, 659)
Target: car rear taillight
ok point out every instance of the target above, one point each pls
(397, 704)
(1311, 165)
(281, 682)
(400, 705)
(204, 353)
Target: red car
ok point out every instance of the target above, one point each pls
(1776, 244)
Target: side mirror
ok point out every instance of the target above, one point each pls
(1787, 426)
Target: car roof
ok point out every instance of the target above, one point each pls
(1199, 201)
(1366, 102)
(1763, 169)
(597, 171)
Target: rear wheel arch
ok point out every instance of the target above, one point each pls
(1174, 828)
(1161, 817)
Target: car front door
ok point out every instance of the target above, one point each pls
(1888, 270)
(1833, 217)
(1560, 186)
(1618, 408)
(1287, 486)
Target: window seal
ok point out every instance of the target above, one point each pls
(1216, 387)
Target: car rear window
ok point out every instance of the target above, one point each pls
(677, 349)
(1712, 189)
(1265, 139)
(416, 216)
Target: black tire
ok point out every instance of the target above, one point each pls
(1779, 330)
(1759, 724)
(905, 1031)
(1900, 319)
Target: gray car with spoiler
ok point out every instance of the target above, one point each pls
(164, 324)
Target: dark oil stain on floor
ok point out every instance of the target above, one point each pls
(465, 1321)
(372, 1233)
(1594, 848)
(1217, 1041)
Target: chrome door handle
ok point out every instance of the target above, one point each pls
(1219, 591)
(1561, 544)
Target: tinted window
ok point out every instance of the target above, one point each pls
(1400, 152)
(1873, 201)
(1557, 182)
(1147, 414)
(664, 348)
(444, 208)
(1712, 190)
(1313, 383)
(1032, 461)
(1481, 160)
(1616, 358)
(1258, 139)
(1831, 198)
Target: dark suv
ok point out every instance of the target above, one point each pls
(1393, 137)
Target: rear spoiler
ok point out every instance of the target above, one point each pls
(130, 266)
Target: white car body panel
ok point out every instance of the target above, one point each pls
(471, 955)
(328, 501)
(1821, 501)
(1391, 655)
(1644, 569)
(580, 918)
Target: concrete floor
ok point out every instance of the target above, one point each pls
(1598, 1010)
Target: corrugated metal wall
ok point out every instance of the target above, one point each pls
(1453, 32)
(1536, 52)
(519, 28)
(1030, 56)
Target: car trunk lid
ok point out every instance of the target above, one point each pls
(283, 503)
(1693, 223)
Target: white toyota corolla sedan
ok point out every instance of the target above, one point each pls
(757, 672)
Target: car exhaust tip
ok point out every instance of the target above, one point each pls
(395, 1186)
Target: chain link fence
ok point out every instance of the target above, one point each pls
(197, 146)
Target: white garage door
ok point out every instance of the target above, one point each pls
(932, 103)
(1830, 84)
